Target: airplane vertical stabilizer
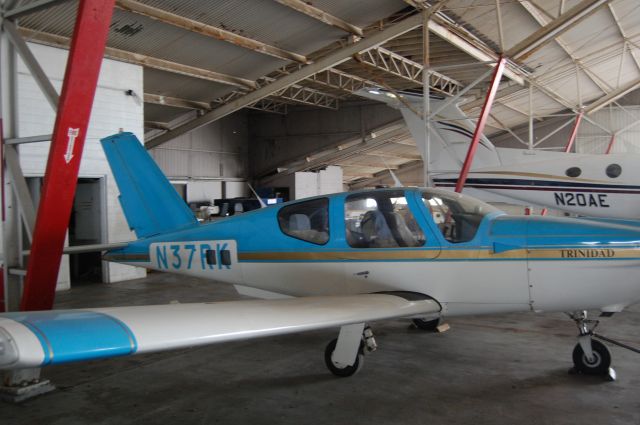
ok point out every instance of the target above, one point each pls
(451, 131)
(151, 205)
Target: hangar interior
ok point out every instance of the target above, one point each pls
(228, 96)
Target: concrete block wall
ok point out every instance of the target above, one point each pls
(112, 111)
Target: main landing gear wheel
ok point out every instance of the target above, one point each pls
(590, 357)
(427, 325)
(338, 370)
(600, 361)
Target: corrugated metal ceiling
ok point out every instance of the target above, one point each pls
(596, 56)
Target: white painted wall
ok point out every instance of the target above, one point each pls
(203, 190)
(234, 189)
(324, 182)
(112, 111)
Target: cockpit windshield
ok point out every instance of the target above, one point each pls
(457, 216)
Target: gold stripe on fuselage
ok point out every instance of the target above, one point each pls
(447, 254)
(422, 254)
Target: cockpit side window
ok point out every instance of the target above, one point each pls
(457, 217)
(308, 221)
(381, 219)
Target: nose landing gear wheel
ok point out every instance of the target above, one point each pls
(338, 370)
(427, 325)
(600, 363)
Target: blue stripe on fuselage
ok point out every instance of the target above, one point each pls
(506, 183)
(68, 336)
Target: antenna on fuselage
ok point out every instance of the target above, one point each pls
(262, 204)
(396, 180)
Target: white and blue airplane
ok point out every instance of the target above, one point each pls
(583, 184)
(336, 261)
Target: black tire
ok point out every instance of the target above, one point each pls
(600, 364)
(427, 325)
(345, 371)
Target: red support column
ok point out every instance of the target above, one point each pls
(3, 303)
(484, 115)
(574, 132)
(74, 109)
(611, 143)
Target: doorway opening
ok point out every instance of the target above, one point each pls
(87, 227)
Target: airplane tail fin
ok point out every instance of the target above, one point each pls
(451, 130)
(150, 204)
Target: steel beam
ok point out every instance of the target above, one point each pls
(21, 190)
(545, 19)
(380, 154)
(146, 61)
(29, 8)
(556, 27)
(612, 96)
(30, 139)
(175, 102)
(264, 105)
(307, 96)
(475, 48)
(61, 176)
(395, 64)
(574, 132)
(206, 30)
(322, 64)
(548, 136)
(482, 120)
(322, 16)
(624, 35)
(336, 79)
(34, 67)
(156, 125)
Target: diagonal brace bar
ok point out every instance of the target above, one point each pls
(482, 120)
(574, 132)
(70, 130)
(612, 141)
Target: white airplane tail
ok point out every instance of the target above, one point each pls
(451, 131)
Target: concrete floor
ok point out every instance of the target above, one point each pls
(487, 370)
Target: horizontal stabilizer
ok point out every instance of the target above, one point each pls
(34, 339)
(150, 204)
(81, 249)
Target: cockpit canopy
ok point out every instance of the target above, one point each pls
(386, 218)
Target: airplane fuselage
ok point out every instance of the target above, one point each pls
(510, 263)
(588, 185)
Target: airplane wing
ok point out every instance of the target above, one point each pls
(35, 339)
